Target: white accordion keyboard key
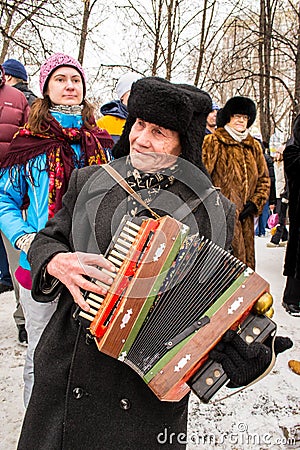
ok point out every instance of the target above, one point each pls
(97, 298)
(127, 237)
(115, 261)
(101, 284)
(121, 249)
(133, 225)
(93, 303)
(93, 311)
(130, 231)
(86, 316)
(117, 255)
(111, 274)
(124, 243)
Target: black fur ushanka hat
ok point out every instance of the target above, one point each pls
(237, 105)
(178, 107)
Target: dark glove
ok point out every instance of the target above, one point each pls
(243, 362)
(249, 210)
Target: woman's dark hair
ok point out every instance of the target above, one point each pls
(40, 117)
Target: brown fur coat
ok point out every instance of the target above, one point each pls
(240, 170)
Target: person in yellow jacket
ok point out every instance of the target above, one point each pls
(114, 113)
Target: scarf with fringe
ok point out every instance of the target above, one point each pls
(56, 142)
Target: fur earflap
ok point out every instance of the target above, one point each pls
(237, 105)
(178, 107)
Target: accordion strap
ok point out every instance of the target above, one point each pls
(180, 214)
(123, 183)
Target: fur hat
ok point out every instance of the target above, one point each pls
(15, 69)
(179, 107)
(237, 105)
(125, 82)
(54, 62)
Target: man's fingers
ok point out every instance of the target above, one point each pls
(78, 297)
(97, 287)
(92, 259)
(105, 277)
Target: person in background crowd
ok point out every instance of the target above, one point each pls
(5, 276)
(16, 76)
(237, 166)
(279, 239)
(263, 218)
(291, 158)
(14, 111)
(61, 134)
(114, 113)
(211, 121)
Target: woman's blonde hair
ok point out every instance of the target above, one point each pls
(40, 117)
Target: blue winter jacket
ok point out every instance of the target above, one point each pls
(13, 222)
(114, 108)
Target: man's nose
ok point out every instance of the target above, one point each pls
(144, 137)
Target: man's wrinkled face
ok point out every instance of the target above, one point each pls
(153, 147)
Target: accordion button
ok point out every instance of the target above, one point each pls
(125, 403)
(78, 393)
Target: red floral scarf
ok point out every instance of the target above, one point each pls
(56, 144)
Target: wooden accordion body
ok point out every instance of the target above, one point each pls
(173, 298)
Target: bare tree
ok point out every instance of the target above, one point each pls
(264, 54)
(28, 26)
(166, 27)
(258, 59)
(14, 16)
(296, 102)
(228, 48)
(88, 28)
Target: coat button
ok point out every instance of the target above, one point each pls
(125, 404)
(78, 393)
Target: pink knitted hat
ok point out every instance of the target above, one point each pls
(55, 61)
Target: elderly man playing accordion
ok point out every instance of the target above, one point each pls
(83, 398)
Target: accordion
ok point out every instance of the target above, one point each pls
(173, 297)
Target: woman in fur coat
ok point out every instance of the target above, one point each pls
(237, 166)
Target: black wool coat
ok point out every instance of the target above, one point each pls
(291, 157)
(82, 398)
